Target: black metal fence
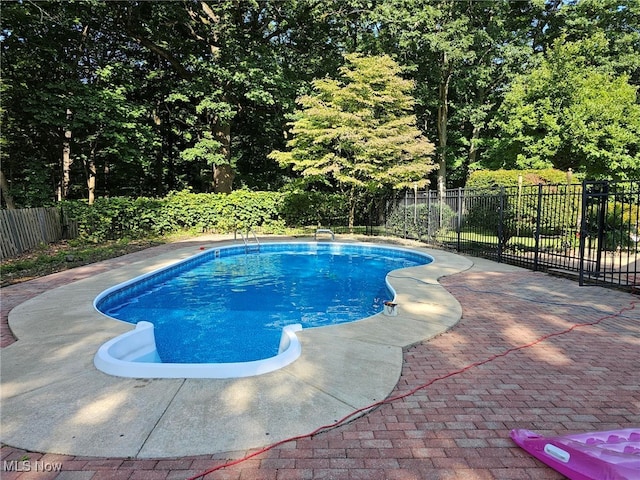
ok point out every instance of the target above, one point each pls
(589, 230)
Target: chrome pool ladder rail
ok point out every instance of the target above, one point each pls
(324, 230)
(248, 245)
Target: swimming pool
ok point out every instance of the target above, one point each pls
(228, 308)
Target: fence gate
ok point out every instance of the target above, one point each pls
(609, 233)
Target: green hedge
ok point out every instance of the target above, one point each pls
(489, 179)
(123, 217)
(115, 218)
(424, 220)
(313, 208)
(559, 205)
(221, 213)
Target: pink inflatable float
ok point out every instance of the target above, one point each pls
(610, 455)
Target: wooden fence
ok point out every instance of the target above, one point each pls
(23, 229)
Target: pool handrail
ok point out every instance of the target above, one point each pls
(324, 230)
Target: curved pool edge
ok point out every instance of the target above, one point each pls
(49, 381)
(133, 355)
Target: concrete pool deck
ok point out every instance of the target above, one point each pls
(49, 381)
(458, 396)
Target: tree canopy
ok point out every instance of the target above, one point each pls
(359, 131)
(142, 98)
(571, 112)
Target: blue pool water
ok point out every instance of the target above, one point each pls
(227, 305)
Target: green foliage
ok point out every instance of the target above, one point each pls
(421, 221)
(115, 218)
(206, 149)
(222, 213)
(617, 21)
(571, 113)
(461, 56)
(483, 216)
(160, 92)
(492, 179)
(48, 259)
(313, 208)
(620, 220)
(359, 131)
(270, 212)
(496, 200)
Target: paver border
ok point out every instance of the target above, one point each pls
(55, 401)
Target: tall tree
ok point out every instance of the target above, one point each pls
(227, 54)
(360, 131)
(34, 108)
(169, 95)
(461, 55)
(72, 114)
(616, 20)
(438, 37)
(571, 112)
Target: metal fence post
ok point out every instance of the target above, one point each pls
(536, 255)
(429, 215)
(501, 223)
(563, 229)
(406, 231)
(602, 215)
(459, 222)
(583, 234)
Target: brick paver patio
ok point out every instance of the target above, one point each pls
(459, 395)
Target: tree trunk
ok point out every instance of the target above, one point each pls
(65, 182)
(473, 145)
(352, 208)
(223, 176)
(477, 122)
(159, 160)
(443, 119)
(6, 195)
(223, 173)
(91, 173)
(171, 172)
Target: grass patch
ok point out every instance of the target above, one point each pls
(56, 257)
